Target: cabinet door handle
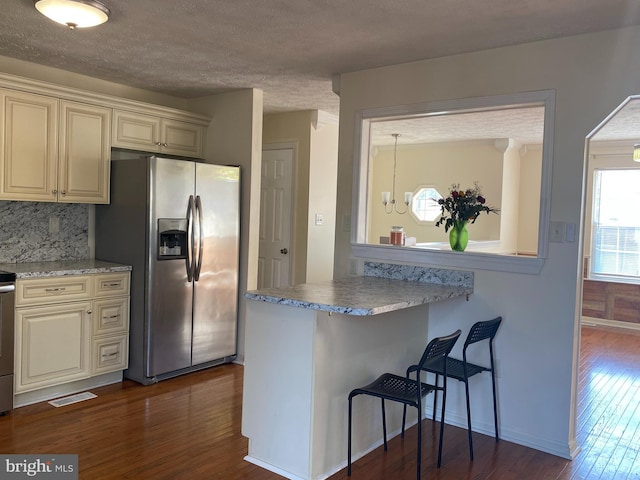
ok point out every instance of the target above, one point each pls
(110, 317)
(165, 145)
(63, 192)
(112, 285)
(54, 191)
(89, 312)
(107, 355)
(57, 289)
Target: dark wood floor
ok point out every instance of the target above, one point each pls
(189, 428)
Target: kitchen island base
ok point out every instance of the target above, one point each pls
(300, 366)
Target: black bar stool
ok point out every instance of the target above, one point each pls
(409, 392)
(462, 370)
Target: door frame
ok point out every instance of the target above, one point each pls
(293, 146)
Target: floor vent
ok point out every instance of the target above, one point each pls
(78, 397)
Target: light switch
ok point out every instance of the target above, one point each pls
(346, 223)
(556, 233)
(570, 232)
(319, 219)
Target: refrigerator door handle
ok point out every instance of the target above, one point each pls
(196, 274)
(191, 209)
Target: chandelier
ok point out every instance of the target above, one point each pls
(389, 198)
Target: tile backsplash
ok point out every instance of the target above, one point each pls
(25, 234)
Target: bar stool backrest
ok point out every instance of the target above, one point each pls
(482, 331)
(438, 349)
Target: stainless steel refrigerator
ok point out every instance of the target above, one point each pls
(176, 222)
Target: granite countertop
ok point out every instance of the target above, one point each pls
(367, 295)
(67, 267)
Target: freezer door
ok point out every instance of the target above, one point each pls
(170, 293)
(216, 288)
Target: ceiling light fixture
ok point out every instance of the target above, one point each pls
(636, 152)
(389, 198)
(74, 13)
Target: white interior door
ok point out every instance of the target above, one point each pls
(275, 218)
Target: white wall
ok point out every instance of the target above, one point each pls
(529, 211)
(323, 172)
(537, 344)
(315, 171)
(83, 82)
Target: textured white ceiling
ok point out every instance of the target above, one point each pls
(288, 48)
(525, 125)
(624, 125)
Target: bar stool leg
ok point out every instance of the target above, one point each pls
(384, 425)
(349, 440)
(404, 409)
(466, 390)
(435, 397)
(444, 403)
(419, 440)
(495, 405)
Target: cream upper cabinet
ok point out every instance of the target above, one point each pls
(53, 150)
(149, 133)
(84, 153)
(55, 141)
(29, 147)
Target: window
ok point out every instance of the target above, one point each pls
(472, 124)
(616, 225)
(424, 206)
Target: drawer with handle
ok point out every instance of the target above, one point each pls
(110, 315)
(111, 284)
(110, 354)
(46, 290)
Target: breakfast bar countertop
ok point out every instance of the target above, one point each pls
(366, 295)
(60, 268)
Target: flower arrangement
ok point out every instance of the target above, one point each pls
(462, 206)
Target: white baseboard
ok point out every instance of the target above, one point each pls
(559, 449)
(239, 360)
(49, 393)
(272, 468)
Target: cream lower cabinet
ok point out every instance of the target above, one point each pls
(53, 150)
(138, 131)
(70, 328)
(110, 326)
(52, 345)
